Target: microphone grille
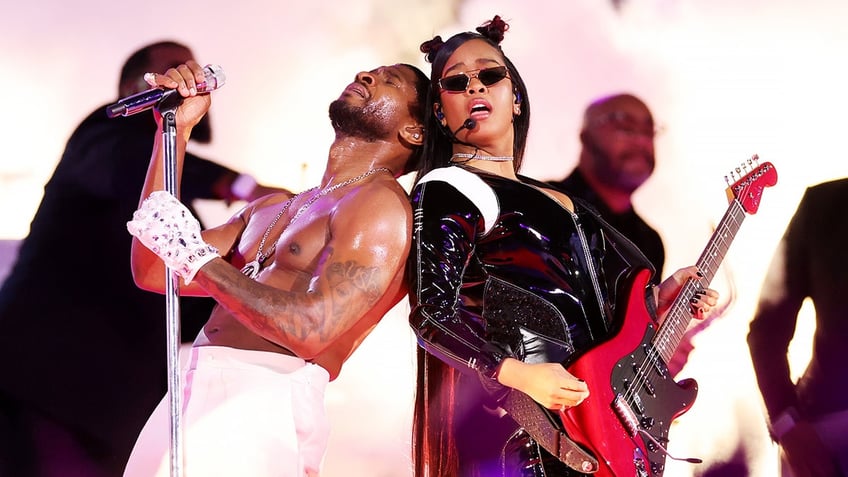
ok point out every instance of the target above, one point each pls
(215, 78)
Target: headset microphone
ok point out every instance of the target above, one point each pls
(469, 124)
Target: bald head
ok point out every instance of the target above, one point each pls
(616, 106)
(156, 57)
(618, 145)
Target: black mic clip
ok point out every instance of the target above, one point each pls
(469, 124)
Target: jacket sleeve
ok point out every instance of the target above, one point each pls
(773, 325)
(446, 225)
(205, 179)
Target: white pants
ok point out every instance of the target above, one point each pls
(244, 413)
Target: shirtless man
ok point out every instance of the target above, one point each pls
(299, 282)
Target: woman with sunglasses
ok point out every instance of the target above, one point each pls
(509, 278)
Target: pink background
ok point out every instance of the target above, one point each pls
(727, 79)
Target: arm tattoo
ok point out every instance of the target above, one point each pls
(351, 289)
(347, 278)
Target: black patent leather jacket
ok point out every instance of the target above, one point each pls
(500, 269)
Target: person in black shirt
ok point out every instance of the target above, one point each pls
(82, 348)
(616, 158)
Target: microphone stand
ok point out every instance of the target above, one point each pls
(167, 107)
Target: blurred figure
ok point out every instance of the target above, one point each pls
(83, 350)
(617, 156)
(807, 419)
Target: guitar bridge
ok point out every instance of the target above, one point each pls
(626, 415)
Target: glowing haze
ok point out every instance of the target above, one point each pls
(726, 78)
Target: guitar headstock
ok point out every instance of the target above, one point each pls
(748, 189)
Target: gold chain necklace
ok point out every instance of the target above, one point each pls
(253, 267)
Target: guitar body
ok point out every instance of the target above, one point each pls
(630, 388)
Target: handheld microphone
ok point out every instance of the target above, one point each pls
(214, 79)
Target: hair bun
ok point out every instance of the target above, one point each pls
(494, 29)
(431, 47)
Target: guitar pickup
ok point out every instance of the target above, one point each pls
(637, 403)
(653, 357)
(649, 386)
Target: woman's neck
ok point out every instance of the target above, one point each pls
(479, 158)
(503, 169)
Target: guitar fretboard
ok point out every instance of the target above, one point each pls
(671, 332)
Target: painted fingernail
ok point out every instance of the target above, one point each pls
(150, 78)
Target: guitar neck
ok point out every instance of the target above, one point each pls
(671, 332)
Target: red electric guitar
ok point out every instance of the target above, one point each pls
(625, 423)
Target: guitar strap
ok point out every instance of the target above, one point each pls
(538, 423)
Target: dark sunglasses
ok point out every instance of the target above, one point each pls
(487, 76)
